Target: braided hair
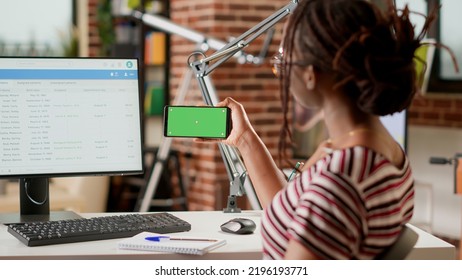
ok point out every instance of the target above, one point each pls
(369, 52)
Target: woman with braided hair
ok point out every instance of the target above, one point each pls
(354, 194)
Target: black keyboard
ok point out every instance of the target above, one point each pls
(100, 228)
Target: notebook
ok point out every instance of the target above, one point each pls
(176, 244)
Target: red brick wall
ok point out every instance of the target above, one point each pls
(254, 86)
(437, 110)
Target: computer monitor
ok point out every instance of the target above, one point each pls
(66, 117)
(398, 122)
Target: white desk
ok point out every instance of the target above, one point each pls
(203, 223)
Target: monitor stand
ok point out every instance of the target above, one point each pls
(10, 218)
(35, 204)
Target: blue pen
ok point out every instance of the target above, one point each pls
(167, 238)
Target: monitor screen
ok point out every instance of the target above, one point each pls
(397, 127)
(69, 117)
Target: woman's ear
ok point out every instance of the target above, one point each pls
(310, 78)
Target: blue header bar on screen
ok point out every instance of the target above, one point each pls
(61, 74)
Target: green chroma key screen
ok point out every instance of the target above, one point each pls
(200, 122)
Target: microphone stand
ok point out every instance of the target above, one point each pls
(202, 68)
(204, 43)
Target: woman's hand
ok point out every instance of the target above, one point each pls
(241, 126)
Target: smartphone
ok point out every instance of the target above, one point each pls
(197, 121)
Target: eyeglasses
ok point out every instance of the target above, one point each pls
(277, 63)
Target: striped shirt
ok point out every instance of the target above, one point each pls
(351, 204)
